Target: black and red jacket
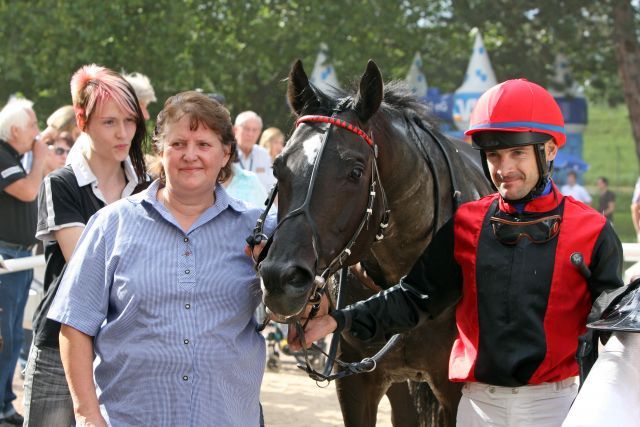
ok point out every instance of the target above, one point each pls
(520, 308)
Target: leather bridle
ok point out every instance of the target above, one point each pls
(375, 187)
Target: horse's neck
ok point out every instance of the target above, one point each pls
(409, 187)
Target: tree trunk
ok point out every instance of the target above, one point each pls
(628, 58)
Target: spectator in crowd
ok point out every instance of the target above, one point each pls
(246, 186)
(110, 166)
(174, 339)
(251, 156)
(18, 210)
(607, 199)
(504, 262)
(575, 190)
(144, 91)
(59, 148)
(64, 120)
(272, 140)
(635, 209)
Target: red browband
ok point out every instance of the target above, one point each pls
(337, 122)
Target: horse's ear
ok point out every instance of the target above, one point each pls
(369, 95)
(299, 92)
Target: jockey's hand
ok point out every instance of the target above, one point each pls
(318, 327)
(256, 249)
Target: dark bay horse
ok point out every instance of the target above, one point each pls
(325, 175)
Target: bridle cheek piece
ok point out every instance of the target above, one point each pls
(258, 232)
(320, 280)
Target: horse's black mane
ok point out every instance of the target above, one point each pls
(397, 99)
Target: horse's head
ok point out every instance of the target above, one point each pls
(324, 177)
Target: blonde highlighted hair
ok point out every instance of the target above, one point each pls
(268, 136)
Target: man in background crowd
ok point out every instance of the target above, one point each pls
(575, 190)
(143, 89)
(18, 213)
(607, 199)
(251, 156)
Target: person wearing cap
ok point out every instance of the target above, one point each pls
(505, 262)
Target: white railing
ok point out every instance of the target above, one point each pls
(19, 264)
(35, 293)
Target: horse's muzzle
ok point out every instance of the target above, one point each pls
(286, 287)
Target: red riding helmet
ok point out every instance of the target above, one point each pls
(517, 113)
(517, 106)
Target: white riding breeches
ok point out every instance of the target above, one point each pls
(540, 405)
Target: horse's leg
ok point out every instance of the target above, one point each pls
(403, 408)
(448, 394)
(359, 396)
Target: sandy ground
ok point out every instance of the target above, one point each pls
(289, 398)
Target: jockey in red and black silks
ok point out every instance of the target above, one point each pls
(524, 303)
(505, 263)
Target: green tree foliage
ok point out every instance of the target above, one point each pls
(523, 38)
(240, 49)
(244, 49)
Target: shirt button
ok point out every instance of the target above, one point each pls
(514, 391)
(187, 271)
(492, 389)
(185, 378)
(187, 306)
(186, 239)
(186, 341)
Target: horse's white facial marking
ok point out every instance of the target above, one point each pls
(311, 148)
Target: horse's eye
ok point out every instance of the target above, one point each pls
(356, 173)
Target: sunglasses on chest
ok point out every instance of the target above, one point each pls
(509, 229)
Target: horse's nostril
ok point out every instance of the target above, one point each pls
(281, 279)
(286, 287)
(297, 277)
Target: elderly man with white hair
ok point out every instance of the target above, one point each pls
(252, 157)
(18, 213)
(143, 89)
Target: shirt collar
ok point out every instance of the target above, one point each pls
(85, 176)
(247, 156)
(8, 147)
(223, 200)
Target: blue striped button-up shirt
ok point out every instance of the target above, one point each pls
(171, 313)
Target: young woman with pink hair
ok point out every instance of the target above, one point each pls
(108, 166)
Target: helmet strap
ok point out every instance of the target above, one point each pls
(544, 174)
